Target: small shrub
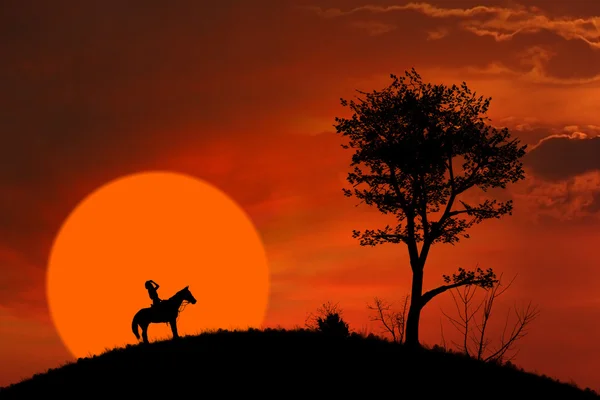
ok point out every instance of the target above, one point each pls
(439, 348)
(329, 321)
(333, 325)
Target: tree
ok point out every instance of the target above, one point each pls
(473, 321)
(392, 321)
(417, 149)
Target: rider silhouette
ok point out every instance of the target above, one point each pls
(152, 292)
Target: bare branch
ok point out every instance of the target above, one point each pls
(474, 331)
(519, 330)
(393, 322)
(380, 308)
(442, 333)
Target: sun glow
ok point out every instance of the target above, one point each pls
(168, 227)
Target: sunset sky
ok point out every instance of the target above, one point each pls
(244, 94)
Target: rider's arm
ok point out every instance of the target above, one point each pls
(155, 285)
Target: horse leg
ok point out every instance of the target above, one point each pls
(173, 324)
(145, 333)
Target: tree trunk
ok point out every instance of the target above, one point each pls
(414, 312)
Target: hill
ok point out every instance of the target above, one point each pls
(278, 363)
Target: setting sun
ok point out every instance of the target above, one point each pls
(171, 228)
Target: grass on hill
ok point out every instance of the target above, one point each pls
(278, 363)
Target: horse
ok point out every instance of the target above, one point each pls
(165, 312)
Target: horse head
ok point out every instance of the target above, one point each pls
(188, 296)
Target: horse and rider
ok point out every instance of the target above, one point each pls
(167, 312)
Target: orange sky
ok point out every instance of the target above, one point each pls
(243, 94)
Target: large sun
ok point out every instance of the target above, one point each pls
(171, 228)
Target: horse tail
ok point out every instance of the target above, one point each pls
(134, 327)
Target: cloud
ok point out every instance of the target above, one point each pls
(437, 34)
(562, 180)
(374, 28)
(500, 23)
(572, 199)
(534, 59)
(563, 156)
(424, 8)
(529, 130)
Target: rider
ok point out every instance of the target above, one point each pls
(152, 292)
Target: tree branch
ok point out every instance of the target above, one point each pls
(438, 225)
(396, 187)
(439, 290)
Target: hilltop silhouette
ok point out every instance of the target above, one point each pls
(277, 363)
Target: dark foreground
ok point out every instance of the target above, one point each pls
(282, 364)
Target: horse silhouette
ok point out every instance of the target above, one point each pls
(165, 312)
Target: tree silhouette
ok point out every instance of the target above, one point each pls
(417, 149)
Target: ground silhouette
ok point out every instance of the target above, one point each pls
(165, 311)
(277, 363)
